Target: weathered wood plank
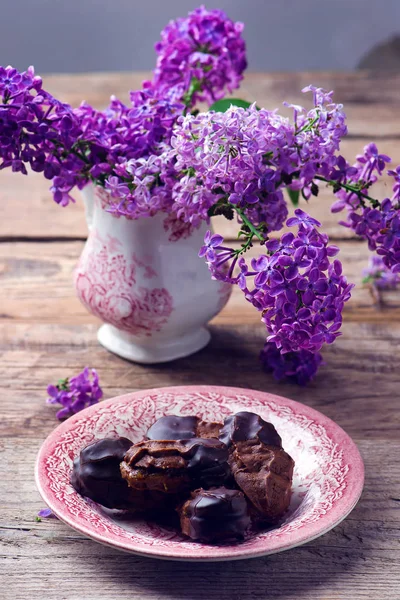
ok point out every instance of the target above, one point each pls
(357, 387)
(27, 209)
(36, 283)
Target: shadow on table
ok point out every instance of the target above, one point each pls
(231, 358)
(323, 567)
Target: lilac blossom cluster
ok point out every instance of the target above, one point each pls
(125, 148)
(294, 284)
(241, 160)
(76, 393)
(38, 130)
(376, 221)
(119, 148)
(200, 57)
(151, 155)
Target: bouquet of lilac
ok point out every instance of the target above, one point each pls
(160, 154)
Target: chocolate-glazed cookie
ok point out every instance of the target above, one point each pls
(260, 466)
(215, 515)
(175, 466)
(173, 427)
(247, 426)
(96, 473)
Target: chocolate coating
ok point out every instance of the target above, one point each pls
(215, 515)
(175, 466)
(96, 473)
(173, 427)
(247, 426)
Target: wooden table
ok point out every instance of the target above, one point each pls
(45, 334)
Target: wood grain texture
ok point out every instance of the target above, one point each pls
(36, 280)
(33, 355)
(45, 334)
(356, 560)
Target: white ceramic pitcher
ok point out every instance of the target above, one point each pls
(144, 279)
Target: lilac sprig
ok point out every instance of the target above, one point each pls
(199, 57)
(376, 221)
(296, 286)
(299, 290)
(38, 130)
(75, 393)
(122, 148)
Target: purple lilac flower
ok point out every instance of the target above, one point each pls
(378, 274)
(122, 147)
(76, 393)
(200, 57)
(296, 367)
(244, 158)
(377, 222)
(296, 287)
(210, 242)
(37, 129)
(302, 218)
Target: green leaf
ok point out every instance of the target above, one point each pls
(225, 103)
(294, 196)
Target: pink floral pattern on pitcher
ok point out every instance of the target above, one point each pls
(106, 281)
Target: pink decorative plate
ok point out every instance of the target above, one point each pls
(328, 479)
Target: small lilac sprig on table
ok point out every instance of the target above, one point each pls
(379, 279)
(75, 393)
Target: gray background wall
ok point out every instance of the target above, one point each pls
(100, 35)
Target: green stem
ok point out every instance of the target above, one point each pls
(249, 224)
(349, 188)
(195, 86)
(308, 126)
(248, 243)
(70, 150)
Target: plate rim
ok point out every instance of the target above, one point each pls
(352, 450)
